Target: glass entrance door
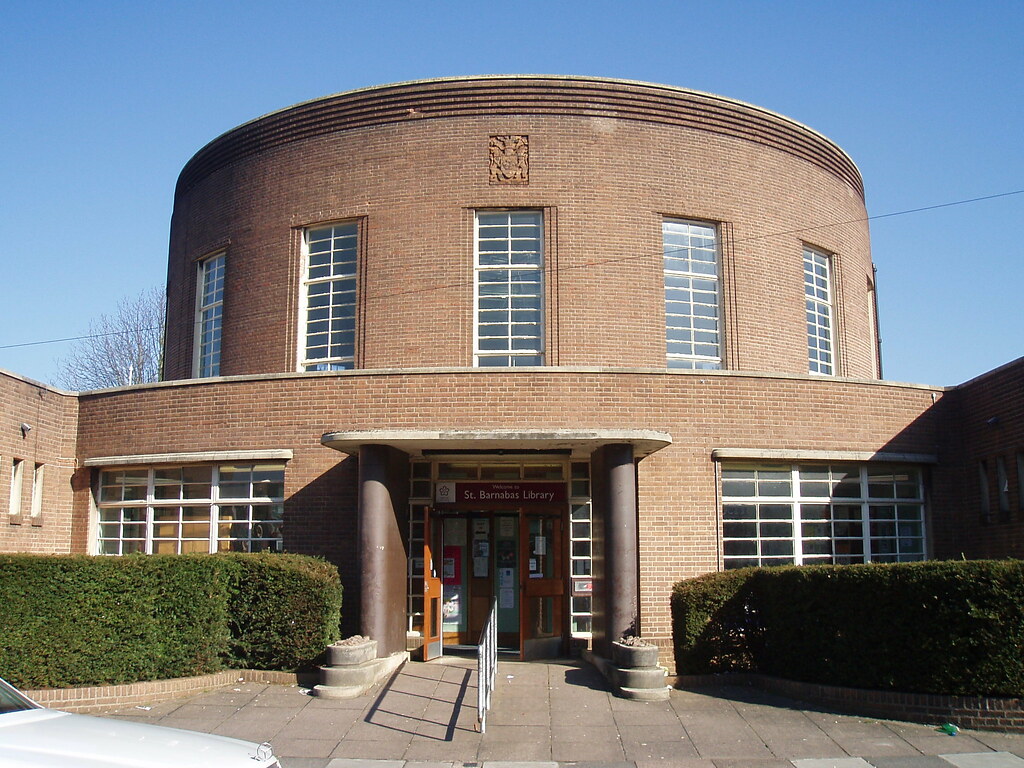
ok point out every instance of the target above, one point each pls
(542, 597)
(513, 559)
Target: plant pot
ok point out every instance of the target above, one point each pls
(640, 677)
(634, 656)
(350, 655)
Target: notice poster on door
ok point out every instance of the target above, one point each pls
(451, 606)
(451, 572)
(506, 553)
(455, 531)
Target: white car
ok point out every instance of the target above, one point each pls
(32, 736)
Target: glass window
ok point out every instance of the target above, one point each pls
(194, 508)
(818, 296)
(37, 491)
(821, 514)
(328, 340)
(509, 328)
(17, 473)
(983, 492)
(209, 316)
(1003, 489)
(691, 295)
(1020, 481)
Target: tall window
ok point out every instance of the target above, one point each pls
(781, 514)
(818, 293)
(1003, 489)
(37, 491)
(1020, 481)
(174, 510)
(691, 295)
(17, 475)
(509, 288)
(209, 316)
(983, 492)
(329, 298)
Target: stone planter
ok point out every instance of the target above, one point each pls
(353, 668)
(633, 656)
(635, 672)
(347, 655)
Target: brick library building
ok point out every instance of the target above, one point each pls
(541, 344)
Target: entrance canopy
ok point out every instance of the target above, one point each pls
(576, 443)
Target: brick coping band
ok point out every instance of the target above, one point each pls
(92, 698)
(986, 713)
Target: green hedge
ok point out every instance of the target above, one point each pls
(937, 627)
(78, 620)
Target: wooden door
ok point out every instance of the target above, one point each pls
(432, 645)
(542, 598)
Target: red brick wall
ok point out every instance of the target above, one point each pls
(989, 426)
(50, 442)
(678, 506)
(605, 178)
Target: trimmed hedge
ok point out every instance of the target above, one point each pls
(950, 627)
(76, 620)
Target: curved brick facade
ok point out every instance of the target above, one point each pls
(412, 165)
(607, 162)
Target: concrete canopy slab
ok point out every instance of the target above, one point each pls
(577, 443)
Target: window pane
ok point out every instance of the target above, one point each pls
(691, 294)
(832, 512)
(330, 292)
(509, 238)
(817, 290)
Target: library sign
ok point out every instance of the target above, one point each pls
(516, 492)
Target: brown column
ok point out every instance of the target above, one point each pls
(383, 492)
(620, 530)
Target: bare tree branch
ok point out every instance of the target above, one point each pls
(121, 350)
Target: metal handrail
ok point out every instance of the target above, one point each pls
(486, 667)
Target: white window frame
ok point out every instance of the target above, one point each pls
(524, 325)
(820, 311)
(36, 507)
(1020, 481)
(209, 323)
(984, 492)
(877, 513)
(329, 299)
(693, 294)
(1002, 488)
(17, 475)
(144, 511)
(581, 550)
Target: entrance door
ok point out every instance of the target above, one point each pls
(542, 598)
(431, 588)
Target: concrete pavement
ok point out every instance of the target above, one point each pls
(546, 713)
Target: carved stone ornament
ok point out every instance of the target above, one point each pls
(510, 159)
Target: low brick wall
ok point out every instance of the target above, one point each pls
(93, 698)
(980, 712)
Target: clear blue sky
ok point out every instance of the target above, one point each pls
(102, 103)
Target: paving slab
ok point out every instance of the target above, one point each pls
(832, 762)
(985, 760)
(563, 714)
(922, 761)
